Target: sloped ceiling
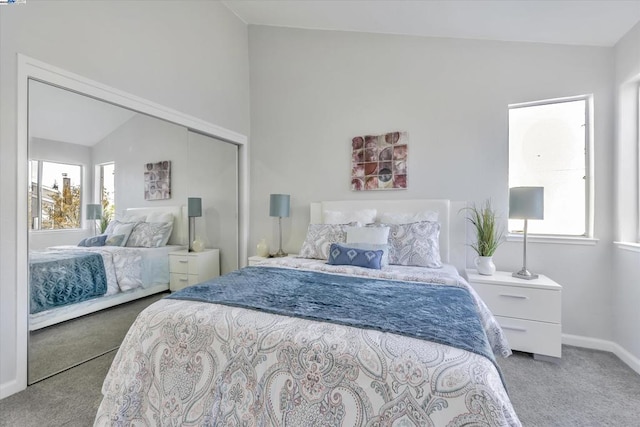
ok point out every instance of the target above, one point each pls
(61, 115)
(595, 23)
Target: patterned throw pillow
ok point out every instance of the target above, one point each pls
(320, 237)
(115, 240)
(346, 255)
(415, 244)
(373, 247)
(150, 234)
(94, 241)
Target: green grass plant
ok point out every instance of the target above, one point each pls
(489, 234)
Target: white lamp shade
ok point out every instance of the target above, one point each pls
(526, 203)
(279, 205)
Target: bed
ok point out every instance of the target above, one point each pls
(304, 341)
(70, 281)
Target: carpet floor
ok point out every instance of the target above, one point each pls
(586, 388)
(62, 346)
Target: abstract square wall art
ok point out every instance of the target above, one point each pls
(379, 162)
(157, 180)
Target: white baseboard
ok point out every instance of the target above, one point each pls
(10, 387)
(597, 344)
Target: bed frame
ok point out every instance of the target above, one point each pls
(61, 314)
(452, 222)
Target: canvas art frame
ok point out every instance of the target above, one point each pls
(379, 162)
(157, 180)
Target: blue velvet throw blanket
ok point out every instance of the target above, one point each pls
(442, 314)
(60, 278)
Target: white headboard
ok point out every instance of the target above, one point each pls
(179, 233)
(452, 224)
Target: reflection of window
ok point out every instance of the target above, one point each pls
(549, 147)
(54, 195)
(107, 173)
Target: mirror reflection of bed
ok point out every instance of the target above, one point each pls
(85, 151)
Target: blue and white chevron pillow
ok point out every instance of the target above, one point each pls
(345, 255)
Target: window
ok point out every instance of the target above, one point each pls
(107, 173)
(549, 146)
(54, 195)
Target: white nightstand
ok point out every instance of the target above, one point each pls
(253, 260)
(529, 311)
(189, 268)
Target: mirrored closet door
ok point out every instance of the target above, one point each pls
(88, 163)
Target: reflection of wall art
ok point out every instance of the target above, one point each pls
(379, 162)
(157, 180)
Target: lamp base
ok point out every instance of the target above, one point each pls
(279, 254)
(525, 274)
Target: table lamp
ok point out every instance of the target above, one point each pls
(526, 203)
(94, 212)
(194, 209)
(279, 206)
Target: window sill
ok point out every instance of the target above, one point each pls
(628, 246)
(560, 240)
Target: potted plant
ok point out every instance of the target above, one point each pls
(488, 236)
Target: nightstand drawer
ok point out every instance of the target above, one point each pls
(532, 337)
(521, 302)
(183, 264)
(179, 281)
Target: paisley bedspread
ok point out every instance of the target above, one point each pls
(61, 278)
(188, 363)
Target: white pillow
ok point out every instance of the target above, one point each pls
(374, 235)
(363, 216)
(407, 218)
(160, 217)
(123, 229)
(370, 238)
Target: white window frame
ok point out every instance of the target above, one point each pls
(588, 237)
(40, 163)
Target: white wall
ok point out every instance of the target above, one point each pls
(139, 141)
(191, 56)
(213, 176)
(311, 91)
(626, 261)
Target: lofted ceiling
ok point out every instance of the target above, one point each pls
(61, 115)
(575, 22)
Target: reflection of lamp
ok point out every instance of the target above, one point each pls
(526, 203)
(194, 209)
(279, 206)
(94, 212)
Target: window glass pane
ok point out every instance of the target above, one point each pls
(108, 193)
(34, 200)
(61, 196)
(547, 148)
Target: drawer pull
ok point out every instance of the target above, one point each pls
(183, 261)
(184, 280)
(515, 328)
(514, 296)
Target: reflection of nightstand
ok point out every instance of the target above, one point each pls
(527, 310)
(189, 268)
(253, 260)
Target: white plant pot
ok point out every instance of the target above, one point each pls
(485, 265)
(262, 248)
